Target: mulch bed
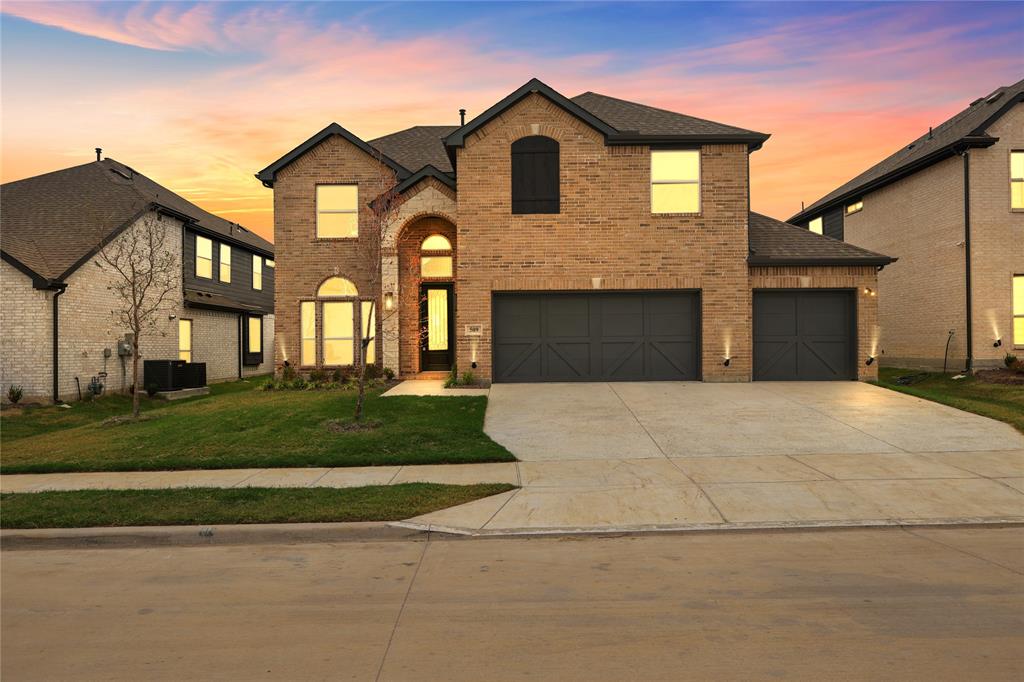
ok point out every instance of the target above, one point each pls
(1001, 376)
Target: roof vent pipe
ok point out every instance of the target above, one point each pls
(929, 132)
(99, 150)
(462, 117)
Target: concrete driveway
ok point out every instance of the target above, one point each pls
(695, 455)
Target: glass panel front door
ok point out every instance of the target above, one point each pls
(436, 327)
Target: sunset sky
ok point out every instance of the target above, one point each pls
(200, 96)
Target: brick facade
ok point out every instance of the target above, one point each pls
(605, 230)
(87, 326)
(920, 220)
(604, 237)
(304, 261)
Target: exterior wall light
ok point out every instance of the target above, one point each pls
(727, 361)
(389, 301)
(870, 360)
(998, 343)
(868, 291)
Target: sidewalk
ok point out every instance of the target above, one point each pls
(696, 493)
(316, 477)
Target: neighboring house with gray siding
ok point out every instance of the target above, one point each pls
(950, 206)
(56, 310)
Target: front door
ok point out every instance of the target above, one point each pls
(436, 328)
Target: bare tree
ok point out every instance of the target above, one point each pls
(380, 214)
(144, 273)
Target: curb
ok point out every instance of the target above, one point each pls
(198, 536)
(980, 522)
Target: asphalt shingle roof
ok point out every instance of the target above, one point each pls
(417, 147)
(772, 241)
(50, 222)
(626, 116)
(970, 121)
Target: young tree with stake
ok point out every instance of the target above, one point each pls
(145, 273)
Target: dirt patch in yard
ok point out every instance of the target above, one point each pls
(342, 426)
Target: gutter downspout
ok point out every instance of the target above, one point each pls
(58, 289)
(967, 259)
(240, 342)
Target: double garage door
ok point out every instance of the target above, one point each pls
(603, 336)
(652, 336)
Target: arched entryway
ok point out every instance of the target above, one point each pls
(427, 262)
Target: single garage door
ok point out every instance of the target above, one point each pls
(605, 336)
(804, 336)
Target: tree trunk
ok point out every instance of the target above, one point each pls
(366, 335)
(361, 397)
(135, 376)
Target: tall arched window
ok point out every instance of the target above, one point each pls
(436, 257)
(340, 331)
(535, 175)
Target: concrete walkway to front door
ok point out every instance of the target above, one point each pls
(692, 455)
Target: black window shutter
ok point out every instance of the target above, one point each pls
(535, 175)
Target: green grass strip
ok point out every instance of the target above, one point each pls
(198, 506)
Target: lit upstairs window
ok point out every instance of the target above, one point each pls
(675, 181)
(1017, 180)
(204, 257)
(854, 207)
(815, 226)
(337, 211)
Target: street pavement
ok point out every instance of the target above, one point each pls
(886, 603)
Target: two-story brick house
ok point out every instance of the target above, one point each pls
(950, 204)
(57, 310)
(558, 239)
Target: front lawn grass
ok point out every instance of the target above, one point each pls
(1004, 402)
(18, 423)
(204, 506)
(247, 428)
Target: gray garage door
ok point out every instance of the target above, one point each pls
(596, 336)
(804, 336)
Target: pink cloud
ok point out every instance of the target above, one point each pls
(835, 100)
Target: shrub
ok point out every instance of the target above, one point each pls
(389, 373)
(15, 393)
(152, 388)
(468, 378)
(373, 372)
(337, 376)
(318, 375)
(287, 372)
(1010, 360)
(452, 379)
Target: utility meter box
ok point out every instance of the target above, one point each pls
(124, 347)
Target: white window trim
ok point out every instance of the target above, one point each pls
(221, 250)
(1013, 316)
(700, 168)
(319, 210)
(203, 258)
(257, 272)
(1015, 180)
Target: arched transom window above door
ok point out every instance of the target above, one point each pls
(436, 257)
(337, 286)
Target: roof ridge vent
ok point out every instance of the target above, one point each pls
(994, 96)
(120, 172)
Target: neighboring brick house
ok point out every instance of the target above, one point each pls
(951, 205)
(557, 239)
(51, 227)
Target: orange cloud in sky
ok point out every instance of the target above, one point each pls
(836, 101)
